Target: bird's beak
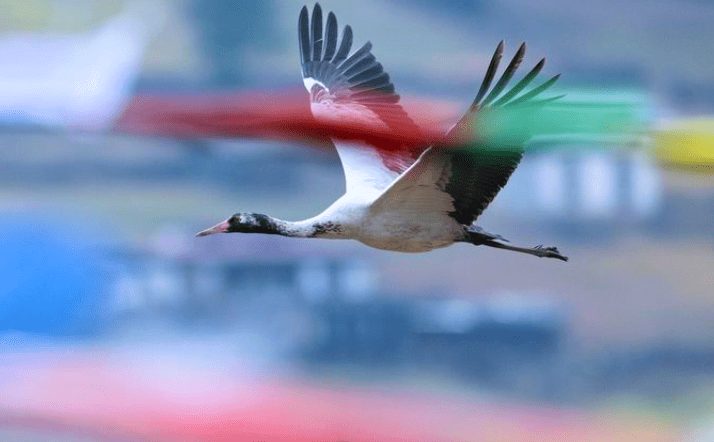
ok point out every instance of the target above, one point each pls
(218, 228)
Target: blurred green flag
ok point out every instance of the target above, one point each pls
(577, 117)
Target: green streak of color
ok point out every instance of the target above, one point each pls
(562, 122)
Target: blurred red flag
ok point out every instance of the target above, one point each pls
(283, 115)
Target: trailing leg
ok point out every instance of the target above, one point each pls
(539, 251)
(479, 237)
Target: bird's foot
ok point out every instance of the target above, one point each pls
(549, 252)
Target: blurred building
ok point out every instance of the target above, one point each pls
(589, 189)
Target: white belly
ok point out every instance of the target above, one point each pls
(413, 235)
(387, 230)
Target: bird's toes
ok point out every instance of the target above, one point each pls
(550, 252)
(553, 252)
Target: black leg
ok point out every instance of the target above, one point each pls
(539, 251)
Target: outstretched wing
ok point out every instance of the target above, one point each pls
(352, 86)
(470, 177)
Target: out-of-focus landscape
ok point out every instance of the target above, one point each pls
(115, 322)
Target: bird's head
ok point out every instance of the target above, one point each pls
(242, 223)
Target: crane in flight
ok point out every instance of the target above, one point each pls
(401, 198)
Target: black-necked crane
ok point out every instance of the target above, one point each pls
(400, 199)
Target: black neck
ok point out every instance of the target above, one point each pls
(272, 226)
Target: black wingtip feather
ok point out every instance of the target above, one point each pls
(528, 79)
(330, 37)
(490, 74)
(365, 65)
(356, 57)
(376, 82)
(304, 37)
(548, 100)
(507, 74)
(367, 69)
(535, 91)
(345, 46)
(317, 33)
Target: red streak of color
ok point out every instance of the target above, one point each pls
(278, 116)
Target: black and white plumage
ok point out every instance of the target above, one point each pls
(400, 199)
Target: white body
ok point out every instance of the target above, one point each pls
(388, 211)
(387, 229)
(381, 207)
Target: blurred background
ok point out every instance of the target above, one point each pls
(116, 323)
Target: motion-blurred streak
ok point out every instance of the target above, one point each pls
(286, 116)
(148, 398)
(283, 116)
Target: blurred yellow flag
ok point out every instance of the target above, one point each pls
(687, 143)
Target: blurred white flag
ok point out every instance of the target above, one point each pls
(71, 81)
